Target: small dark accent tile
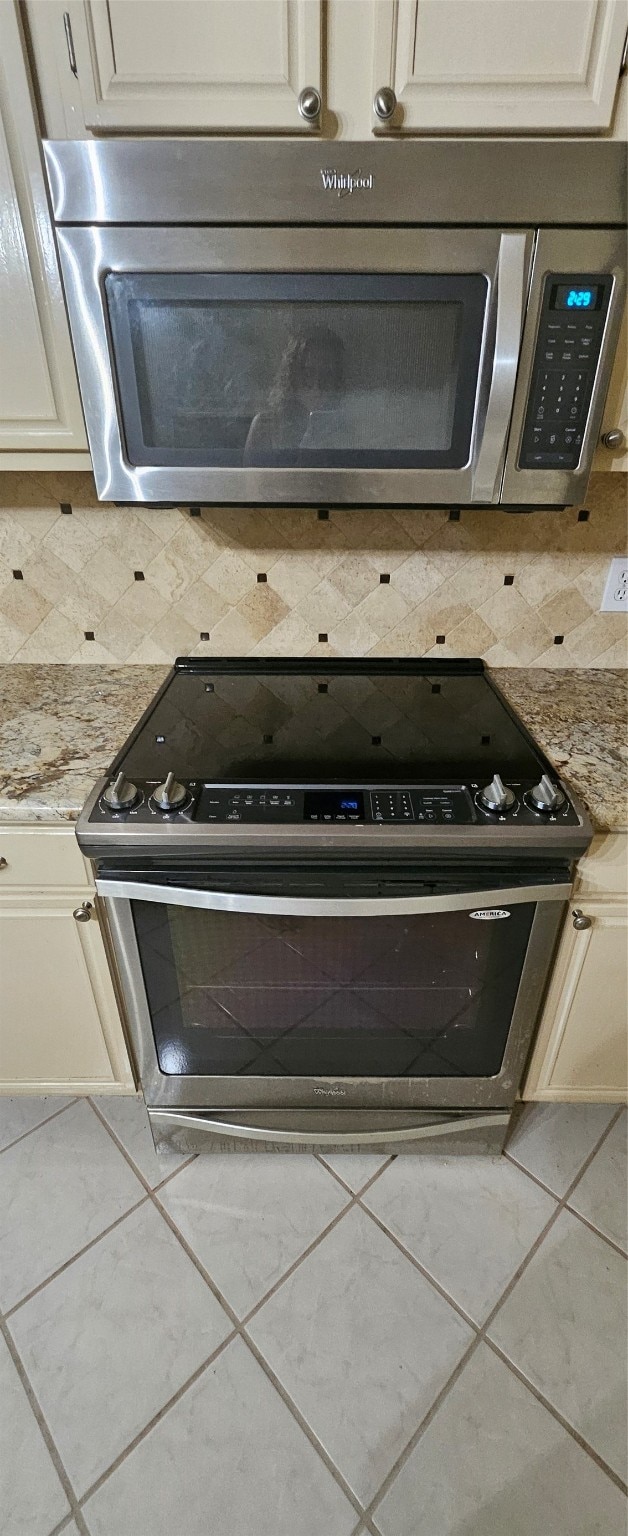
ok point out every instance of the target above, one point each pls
(323, 515)
(454, 515)
(558, 639)
(385, 580)
(509, 581)
(66, 508)
(204, 634)
(89, 634)
(139, 575)
(322, 639)
(195, 511)
(323, 687)
(267, 740)
(376, 741)
(486, 741)
(209, 687)
(583, 515)
(18, 576)
(261, 576)
(440, 639)
(435, 687)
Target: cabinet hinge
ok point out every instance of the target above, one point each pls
(70, 42)
(624, 58)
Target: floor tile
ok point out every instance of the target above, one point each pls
(363, 1344)
(355, 1168)
(469, 1220)
(554, 1140)
(249, 1217)
(511, 1469)
(110, 1340)
(564, 1326)
(32, 1500)
(602, 1193)
(129, 1122)
(59, 1188)
(20, 1114)
(228, 1458)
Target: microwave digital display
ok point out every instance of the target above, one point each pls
(567, 296)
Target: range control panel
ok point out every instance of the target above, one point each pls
(571, 327)
(333, 806)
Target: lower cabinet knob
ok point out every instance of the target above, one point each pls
(613, 439)
(4, 863)
(310, 104)
(83, 913)
(384, 103)
(546, 796)
(170, 795)
(497, 796)
(121, 794)
(580, 920)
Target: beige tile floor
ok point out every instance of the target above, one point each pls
(300, 1346)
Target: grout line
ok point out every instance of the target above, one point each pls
(173, 1173)
(556, 1414)
(45, 1432)
(78, 1255)
(287, 1274)
(320, 1158)
(62, 1526)
(37, 1127)
(303, 1423)
(617, 1248)
(161, 1413)
(436, 1285)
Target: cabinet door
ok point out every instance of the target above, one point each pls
(507, 66)
(176, 65)
(582, 1045)
(59, 1023)
(39, 401)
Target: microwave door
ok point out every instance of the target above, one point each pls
(299, 366)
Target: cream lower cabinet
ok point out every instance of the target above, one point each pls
(60, 1028)
(581, 1052)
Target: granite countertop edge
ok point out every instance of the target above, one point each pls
(61, 725)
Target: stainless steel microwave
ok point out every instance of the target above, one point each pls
(410, 323)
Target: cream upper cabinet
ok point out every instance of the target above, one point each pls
(60, 1028)
(39, 402)
(500, 66)
(175, 66)
(581, 1052)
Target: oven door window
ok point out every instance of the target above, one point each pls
(309, 371)
(418, 996)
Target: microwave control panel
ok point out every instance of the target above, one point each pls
(568, 345)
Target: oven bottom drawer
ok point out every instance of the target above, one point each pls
(331, 1130)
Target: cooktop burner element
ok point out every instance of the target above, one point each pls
(420, 752)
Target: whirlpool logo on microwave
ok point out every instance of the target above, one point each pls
(489, 914)
(344, 183)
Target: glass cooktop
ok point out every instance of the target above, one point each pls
(338, 722)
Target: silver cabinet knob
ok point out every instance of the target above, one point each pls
(613, 439)
(384, 103)
(310, 104)
(580, 920)
(4, 863)
(83, 913)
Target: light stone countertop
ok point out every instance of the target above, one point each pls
(61, 725)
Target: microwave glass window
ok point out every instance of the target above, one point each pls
(270, 371)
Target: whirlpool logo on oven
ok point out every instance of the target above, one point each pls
(490, 914)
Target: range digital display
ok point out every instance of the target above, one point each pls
(332, 805)
(570, 296)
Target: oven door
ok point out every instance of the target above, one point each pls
(320, 988)
(297, 365)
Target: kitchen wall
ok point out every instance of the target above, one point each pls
(84, 582)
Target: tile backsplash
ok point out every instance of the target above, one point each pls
(86, 581)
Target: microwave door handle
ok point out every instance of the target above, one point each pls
(511, 273)
(315, 906)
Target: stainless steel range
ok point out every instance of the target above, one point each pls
(334, 894)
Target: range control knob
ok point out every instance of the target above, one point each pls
(170, 795)
(545, 796)
(497, 796)
(121, 794)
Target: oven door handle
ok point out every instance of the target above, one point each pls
(331, 906)
(511, 273)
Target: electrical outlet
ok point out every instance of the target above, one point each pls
(615, 599)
